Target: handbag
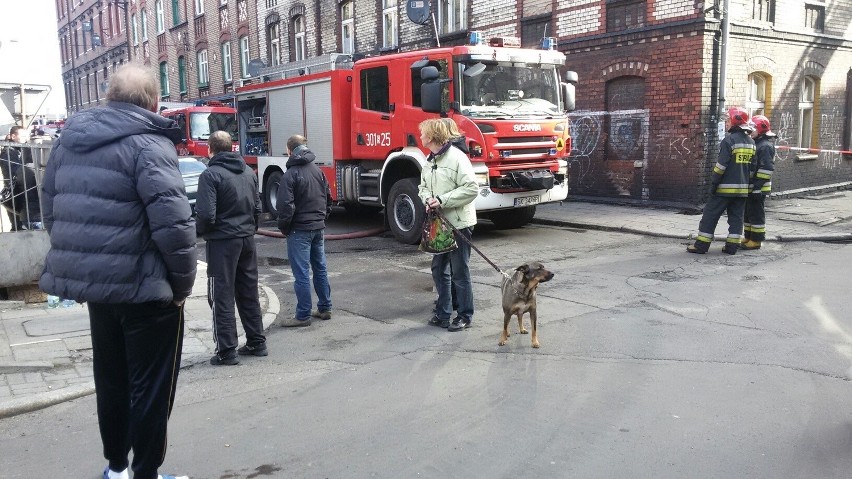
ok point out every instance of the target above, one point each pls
(437, 237)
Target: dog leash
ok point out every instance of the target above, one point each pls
(506, 275)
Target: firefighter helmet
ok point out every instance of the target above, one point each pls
(738, 116)
(761, 124)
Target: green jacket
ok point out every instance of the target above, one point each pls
(449, 178)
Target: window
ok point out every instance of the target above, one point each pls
(199, 7)
(182, 74)
(625, 15)
(274, 46)
(533, 30)
(807, 102)
(175, 12)
(626, 131)
(389, 23)
(244, 56)
(299, 49)
(452, 15)
(164, 79)
(226, 62)
(134, 28)
(158, 7)
(203, 73)
(815, 17)
(144, 16)
(417, 82)
(756, 97)
(347, 27)
(764, 10)
(374, 89)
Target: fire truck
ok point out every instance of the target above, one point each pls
(198, 121)
(361, 120)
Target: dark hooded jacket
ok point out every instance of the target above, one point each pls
(304, 198)
(113, 201)
(228, 202)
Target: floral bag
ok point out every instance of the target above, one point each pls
(437, 236)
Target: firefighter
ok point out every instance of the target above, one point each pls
(730, 183)
(762, 166)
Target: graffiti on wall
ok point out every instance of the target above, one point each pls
(830, 132)
(787, 133)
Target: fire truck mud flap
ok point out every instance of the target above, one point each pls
(404, 211)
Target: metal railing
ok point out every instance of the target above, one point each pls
(21, 170)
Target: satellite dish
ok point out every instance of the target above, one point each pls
(254, 67)
(418, 11)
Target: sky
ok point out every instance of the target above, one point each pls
(29, 49)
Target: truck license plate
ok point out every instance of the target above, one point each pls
(527, 200)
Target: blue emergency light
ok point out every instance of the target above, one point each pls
(477, 38)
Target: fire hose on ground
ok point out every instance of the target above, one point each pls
(329, 237)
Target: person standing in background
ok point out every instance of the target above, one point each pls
(228, 209)
(763, 164)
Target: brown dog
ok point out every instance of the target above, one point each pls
(519, 297)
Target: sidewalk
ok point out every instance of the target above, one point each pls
(45, 354)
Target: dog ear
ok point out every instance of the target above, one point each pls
(524, 267)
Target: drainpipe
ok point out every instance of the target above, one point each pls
(723, 67)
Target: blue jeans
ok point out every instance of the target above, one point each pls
(306, 252)
(452, 269)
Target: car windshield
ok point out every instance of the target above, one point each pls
(511, 90)
(202, 124)
(191, 166)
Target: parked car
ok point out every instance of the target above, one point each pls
(191, 168)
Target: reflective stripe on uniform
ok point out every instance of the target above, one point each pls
(719, 168)
(733, 188)
(704, 237)
(734, 239)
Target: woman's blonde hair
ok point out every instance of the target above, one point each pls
(439, 130)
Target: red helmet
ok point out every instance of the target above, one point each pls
(761, 124)
(738, 116)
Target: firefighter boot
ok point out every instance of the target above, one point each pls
(730, 248)
(698, 248)
(750, 245)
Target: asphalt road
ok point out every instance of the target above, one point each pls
(654, 363)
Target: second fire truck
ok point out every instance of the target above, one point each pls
(198, 121)
(361, 120)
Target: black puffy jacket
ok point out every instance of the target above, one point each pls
(228, 202)
(304, 198)
(113, 201)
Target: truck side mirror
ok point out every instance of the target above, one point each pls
(429, 74)
(568, 96)
(430, 97)
(571, 77)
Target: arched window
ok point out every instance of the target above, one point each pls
(244, 56)
(299, 47)
(347, 27)
(182, 74)
(808, 101)
(273, 45)
(757, 97)
(390, 23)
(164, 79)
(227, 76)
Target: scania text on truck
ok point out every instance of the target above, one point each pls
(198, 121)
(361, 120)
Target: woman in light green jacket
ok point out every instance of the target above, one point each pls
(447, 183)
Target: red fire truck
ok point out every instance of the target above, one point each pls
(361, 120)
(198, 121)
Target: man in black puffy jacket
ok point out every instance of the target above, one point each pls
(304, 201)
(122, 238)
(228, 207)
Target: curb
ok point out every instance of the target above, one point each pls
(43, 400)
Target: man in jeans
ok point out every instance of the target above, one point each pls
(228, 208)
(304, 202)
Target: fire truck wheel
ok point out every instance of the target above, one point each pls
(270, 192)
(514, 218)
(405, 212)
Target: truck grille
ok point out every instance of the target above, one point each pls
(524, 147)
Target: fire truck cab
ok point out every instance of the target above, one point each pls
(361, 120)
(197, 122)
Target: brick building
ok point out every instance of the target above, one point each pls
(199, 48)
(646, 128)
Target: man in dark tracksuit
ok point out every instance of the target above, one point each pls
(762, 166)
(228, 207)
(122, 239)
(10, 160)
(729, 185)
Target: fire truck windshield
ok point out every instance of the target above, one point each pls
(202, 124)
(513, 90)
